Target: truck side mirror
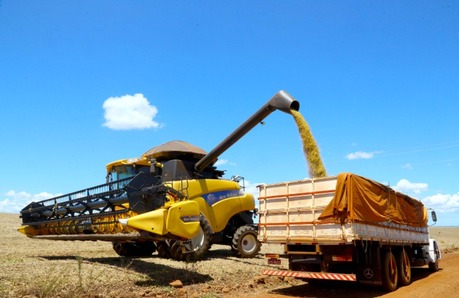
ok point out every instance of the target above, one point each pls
(434, 216)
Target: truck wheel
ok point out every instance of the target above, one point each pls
(389, 271)
(134, 249)
(199, 245)
(433, 266)
(245, 242)
(404, 268)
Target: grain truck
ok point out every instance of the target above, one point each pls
(345, 228)
(172, 199)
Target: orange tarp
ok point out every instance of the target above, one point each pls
(364, 200)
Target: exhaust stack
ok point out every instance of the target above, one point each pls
(280, 101)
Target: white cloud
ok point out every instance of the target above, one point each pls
(407, 166)
(252, 188)
(443, 202)
(13, 201)
(221, 162)
(408, 187)
(360, 155)
(129, 112)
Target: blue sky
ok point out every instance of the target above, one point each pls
(83, 83)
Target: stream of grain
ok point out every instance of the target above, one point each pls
(311, 151)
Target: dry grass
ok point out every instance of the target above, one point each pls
(43, 268)
(447, 237)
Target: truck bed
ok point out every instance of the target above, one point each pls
(289, 214)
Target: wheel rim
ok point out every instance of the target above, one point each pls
(406, 265)
(249, 243)
(196, 242)
(392, 270)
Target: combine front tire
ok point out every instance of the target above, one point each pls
(245, 242)
(134, 249)
(176, 250)
(194, 249)
(164, 251)
(199, 245)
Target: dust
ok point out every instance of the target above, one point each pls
(311, 151)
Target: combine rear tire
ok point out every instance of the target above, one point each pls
(245, 242)
(134, 249)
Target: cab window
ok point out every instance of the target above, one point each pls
(121, 172)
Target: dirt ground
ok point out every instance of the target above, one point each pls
(42, 268)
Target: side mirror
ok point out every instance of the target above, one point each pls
(155, 168)
(434, 216)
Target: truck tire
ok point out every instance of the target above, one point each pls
(245, 242)
(433, 266)
(389, 271)
(134, 249)
(404, 268)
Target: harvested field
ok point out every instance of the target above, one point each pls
(43, 268)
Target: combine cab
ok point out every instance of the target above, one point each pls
(172, 200)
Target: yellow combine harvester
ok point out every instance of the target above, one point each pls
(172, 200)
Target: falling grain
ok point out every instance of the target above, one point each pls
(311, 151)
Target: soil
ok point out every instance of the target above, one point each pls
(44, 268)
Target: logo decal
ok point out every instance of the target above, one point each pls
(368, 273)
(215, 197)
(190, 218)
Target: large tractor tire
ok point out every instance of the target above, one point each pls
(199, 245)
(245, 242)
(134, 249)
(163, 249)
(176, 249)
(196, 248)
